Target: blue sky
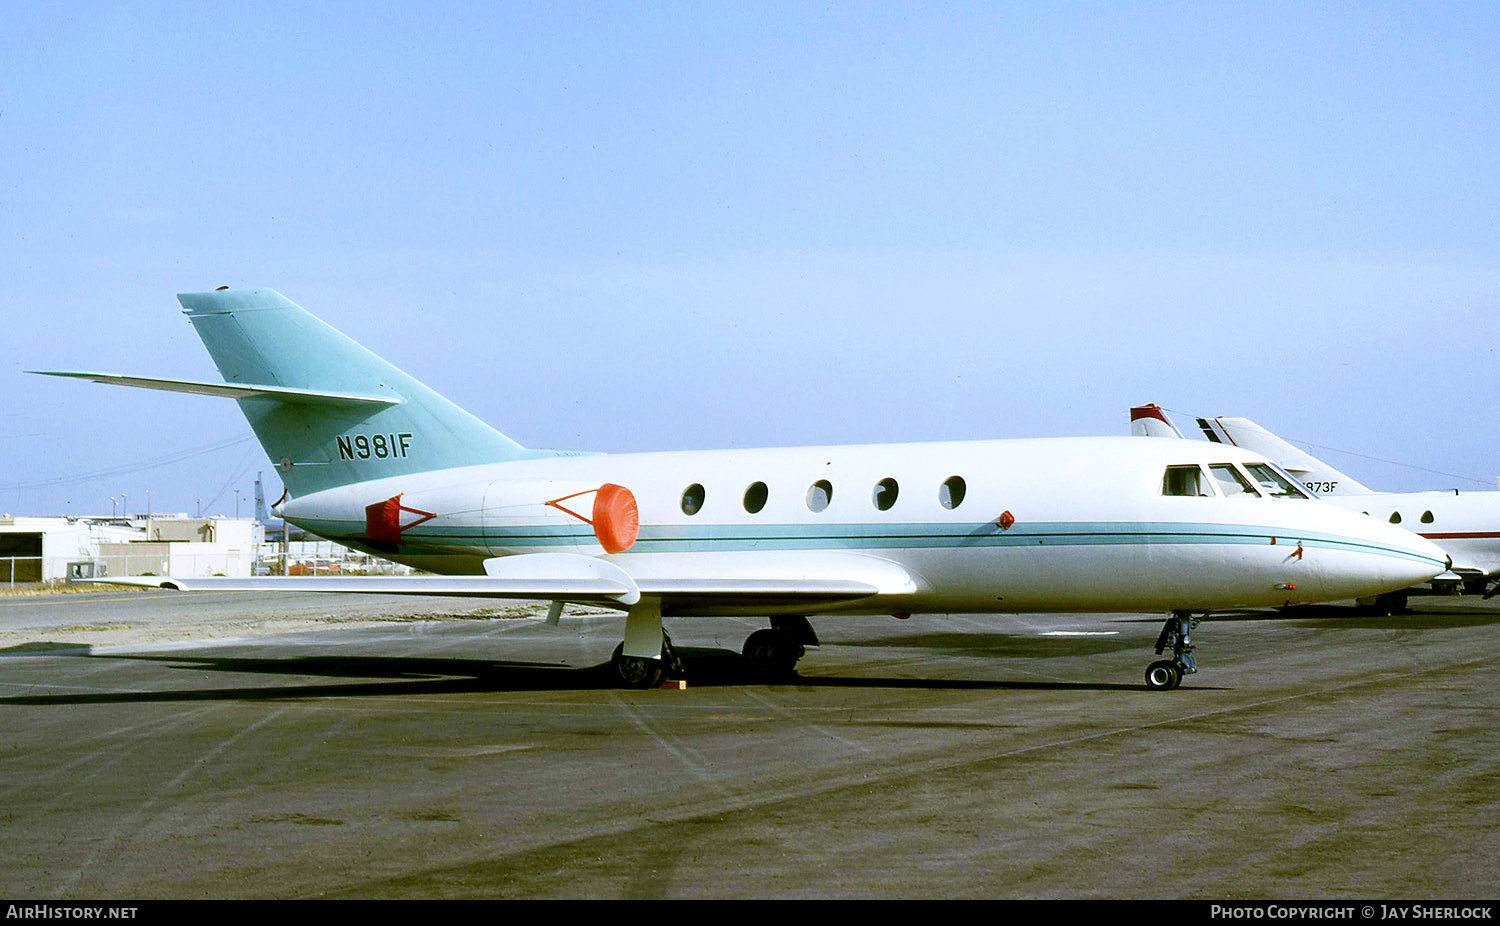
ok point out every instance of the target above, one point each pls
(656, 226)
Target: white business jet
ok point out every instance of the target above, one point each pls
(373, 459)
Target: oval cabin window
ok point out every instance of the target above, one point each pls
(692, 499)
(885, 494)
(755, 497)
(951, 492)
(819, 495)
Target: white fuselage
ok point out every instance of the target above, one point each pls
(1072, 524)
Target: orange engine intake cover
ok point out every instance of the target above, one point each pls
(617, 520)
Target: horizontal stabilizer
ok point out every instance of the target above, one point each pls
(229, 390)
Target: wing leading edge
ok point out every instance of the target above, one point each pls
(680, 582)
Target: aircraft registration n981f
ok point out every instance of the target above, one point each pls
(375, 460)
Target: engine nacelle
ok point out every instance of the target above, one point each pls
(610, 509)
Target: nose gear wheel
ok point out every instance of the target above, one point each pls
(1166, 674)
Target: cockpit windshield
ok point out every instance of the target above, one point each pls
(1274, 483)
(1185, 480)
(1231, 483)
(1228, 480)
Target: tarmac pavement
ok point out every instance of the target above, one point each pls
(226, 746)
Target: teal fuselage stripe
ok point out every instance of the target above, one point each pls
(729, 537)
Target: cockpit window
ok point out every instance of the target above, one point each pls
(1274, 483)
(1185, 480)
(1231, 483)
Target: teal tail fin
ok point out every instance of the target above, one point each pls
(328, 411)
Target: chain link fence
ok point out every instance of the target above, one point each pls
(23, 573)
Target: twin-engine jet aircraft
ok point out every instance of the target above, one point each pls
(373, 459)
(1466, 524)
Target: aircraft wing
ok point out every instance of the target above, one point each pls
(583, 590)
(682, 582)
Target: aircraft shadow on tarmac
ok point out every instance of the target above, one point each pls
(1025, 646)
(1348, 617)
(402, 676)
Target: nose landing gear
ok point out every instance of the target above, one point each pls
(1166, 674)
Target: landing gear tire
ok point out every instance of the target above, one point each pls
(1389, 604)
(773, 654)
(1176, 638)
(636, 671)
(1163, 675)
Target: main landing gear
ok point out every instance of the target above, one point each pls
(773, 654)
(643, 672)
(1480, 585)
(1390, 603)
(1166, 674)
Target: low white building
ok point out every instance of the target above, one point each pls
(45, 549)
(187, 547)
(49, 549)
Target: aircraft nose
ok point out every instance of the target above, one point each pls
(1367, 557)
(1412, 560)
